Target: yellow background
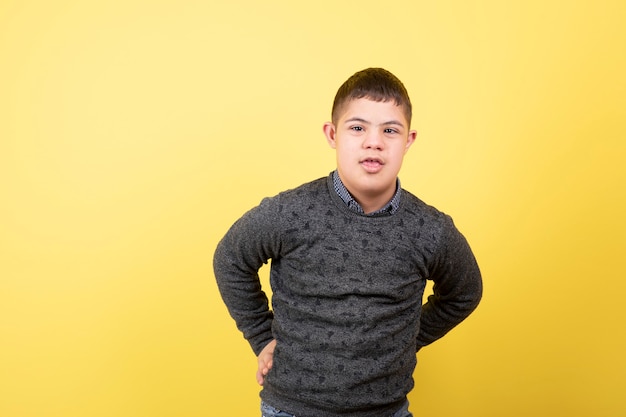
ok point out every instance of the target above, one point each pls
(133, 133)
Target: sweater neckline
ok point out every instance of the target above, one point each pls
(346, 209)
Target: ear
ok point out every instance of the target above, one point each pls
(330, 132)
(410, 140)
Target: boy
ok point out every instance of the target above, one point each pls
(350, 256)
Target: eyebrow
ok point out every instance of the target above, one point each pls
(360, 120)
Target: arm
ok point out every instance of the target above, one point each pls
(250, 242)
(457, 287)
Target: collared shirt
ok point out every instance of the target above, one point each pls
(390, 208)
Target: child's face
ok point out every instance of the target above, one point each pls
(371, 139)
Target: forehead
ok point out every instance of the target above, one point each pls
(372, 111)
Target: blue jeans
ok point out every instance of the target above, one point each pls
(269, 411)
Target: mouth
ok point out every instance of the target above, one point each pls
(372, 165)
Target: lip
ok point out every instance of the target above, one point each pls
(372, 165)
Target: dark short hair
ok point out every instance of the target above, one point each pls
(376, 84)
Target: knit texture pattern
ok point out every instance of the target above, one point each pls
(347, 309)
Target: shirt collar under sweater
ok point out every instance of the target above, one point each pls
(390, 208)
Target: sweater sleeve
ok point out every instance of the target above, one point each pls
(250, 242)
(457, 288)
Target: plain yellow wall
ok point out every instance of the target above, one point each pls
(133, 133)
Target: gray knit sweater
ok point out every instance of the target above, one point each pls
(347, 309)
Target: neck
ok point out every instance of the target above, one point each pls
(374, 202)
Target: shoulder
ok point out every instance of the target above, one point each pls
(432, 223)
(415, 207)
(302, 195)
(286, 200)
(311, 189)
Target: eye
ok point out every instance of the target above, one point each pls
(357, 128)
(390, 130)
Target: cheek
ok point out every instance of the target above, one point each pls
(345, 150)
(398, 156)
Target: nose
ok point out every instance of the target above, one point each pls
(373, 140)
